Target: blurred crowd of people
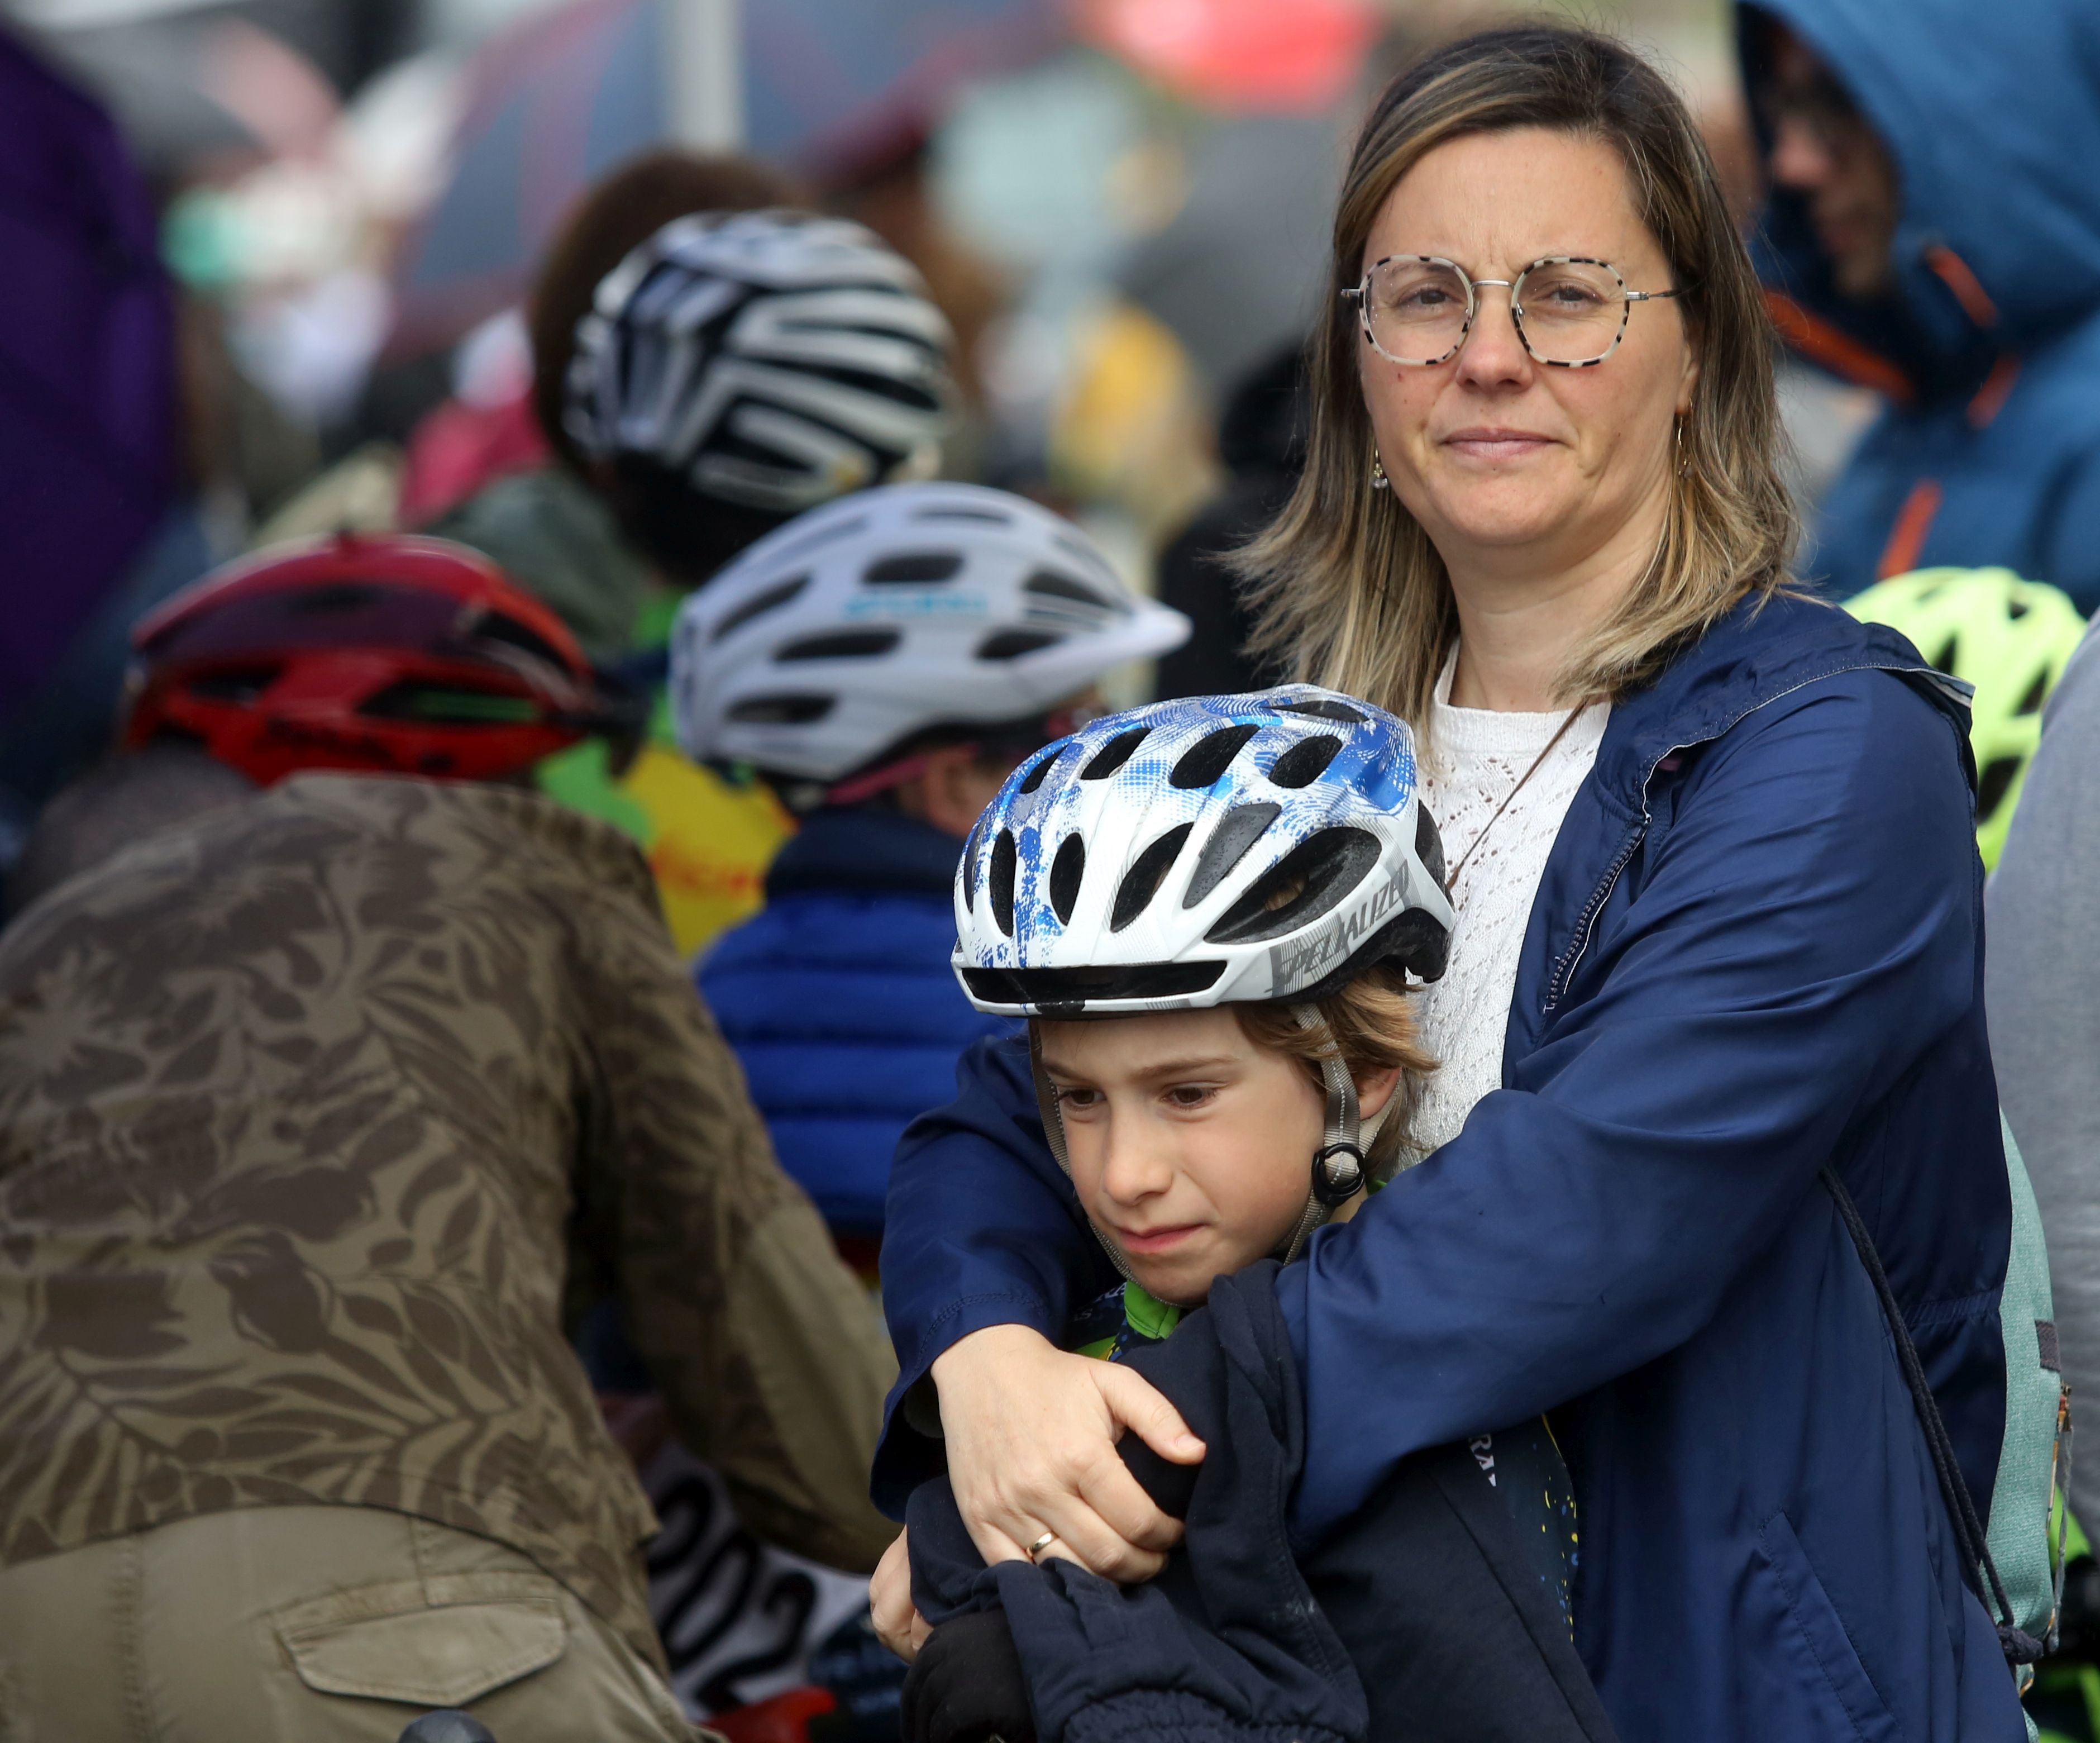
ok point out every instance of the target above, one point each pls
(417, 1190)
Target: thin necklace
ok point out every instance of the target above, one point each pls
(1559, 733)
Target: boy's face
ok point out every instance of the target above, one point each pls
(1191, 1147)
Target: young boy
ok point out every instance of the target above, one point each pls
(1209, 912)
(882, 663)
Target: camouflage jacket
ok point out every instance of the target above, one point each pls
(311, 1110)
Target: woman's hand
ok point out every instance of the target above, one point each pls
(1031, 1435)
(898, 1623)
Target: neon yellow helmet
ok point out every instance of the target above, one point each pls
(2011, 639)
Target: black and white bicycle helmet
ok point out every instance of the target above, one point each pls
(770, 360)
(864, 623)
(1202, 852)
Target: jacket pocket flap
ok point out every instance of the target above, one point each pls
(444, 1656)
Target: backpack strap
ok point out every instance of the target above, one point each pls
(2020, 1647)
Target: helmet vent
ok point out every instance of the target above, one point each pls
(782, 710)
(844, 644)
(1309, 881)
(1943, 660)
(914, 569)
(1114, 754)
(989, 516)
(448, 704)
(1051, 585)
(1066, 871)
(1035, 776)
(1305, 761)
(2030, 703)
(1323, 708)
(1003, 856)
(240, 684)
(1429, 845)
(495, 627)
(780, 593)
(338, 599)
(1141, 883)
(1238, 831)
(1993, 784)
(1010, 644)
(1205, 760)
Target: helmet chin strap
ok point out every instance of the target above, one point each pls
(1338, 1171)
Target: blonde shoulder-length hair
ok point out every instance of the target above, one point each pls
(1348, 590)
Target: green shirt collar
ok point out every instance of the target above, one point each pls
(1148, 1316)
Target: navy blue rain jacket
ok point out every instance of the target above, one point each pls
(1757, 948)
(1989, 451)
(838, 999)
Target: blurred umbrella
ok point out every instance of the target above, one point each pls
(88, 427)
(1240, 54)
(837, 88)
(833, 88)
(197, 81)
(553, 105)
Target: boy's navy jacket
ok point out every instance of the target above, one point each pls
(1757, 948)
(1989, 351)
(840, 1001)
(1420, 1621)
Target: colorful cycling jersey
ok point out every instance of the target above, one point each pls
(707, 840)
(1522, 1465)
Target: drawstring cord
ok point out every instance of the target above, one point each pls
(2020, 1647)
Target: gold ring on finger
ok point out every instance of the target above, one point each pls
(1041, 1544)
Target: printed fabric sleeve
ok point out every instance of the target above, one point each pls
(981, 1228)
(769, 1353)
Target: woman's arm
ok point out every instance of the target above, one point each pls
(1804, 930)
(1806, 927)
(981, 1229)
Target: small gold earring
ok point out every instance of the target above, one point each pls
(1379, 481)
(1683, 460)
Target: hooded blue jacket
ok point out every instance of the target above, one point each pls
(1757, 948)
(839, 1000)
(1989, 450)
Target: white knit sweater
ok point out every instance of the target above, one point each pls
(1473, 759)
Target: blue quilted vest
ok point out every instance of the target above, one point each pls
(838, 998)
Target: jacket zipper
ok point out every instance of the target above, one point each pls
(1563, 970)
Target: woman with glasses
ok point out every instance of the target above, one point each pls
(1714, 979)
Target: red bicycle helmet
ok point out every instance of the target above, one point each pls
(381, 653)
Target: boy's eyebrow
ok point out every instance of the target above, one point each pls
(1164, 1068)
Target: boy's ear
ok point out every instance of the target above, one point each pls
(1374, 1089)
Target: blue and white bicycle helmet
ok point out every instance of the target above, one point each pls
(1271, 846)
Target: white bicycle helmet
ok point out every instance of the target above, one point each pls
(1203, 852)
(769, 359)
(835, 640)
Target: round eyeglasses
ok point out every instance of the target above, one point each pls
(1570, 311)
